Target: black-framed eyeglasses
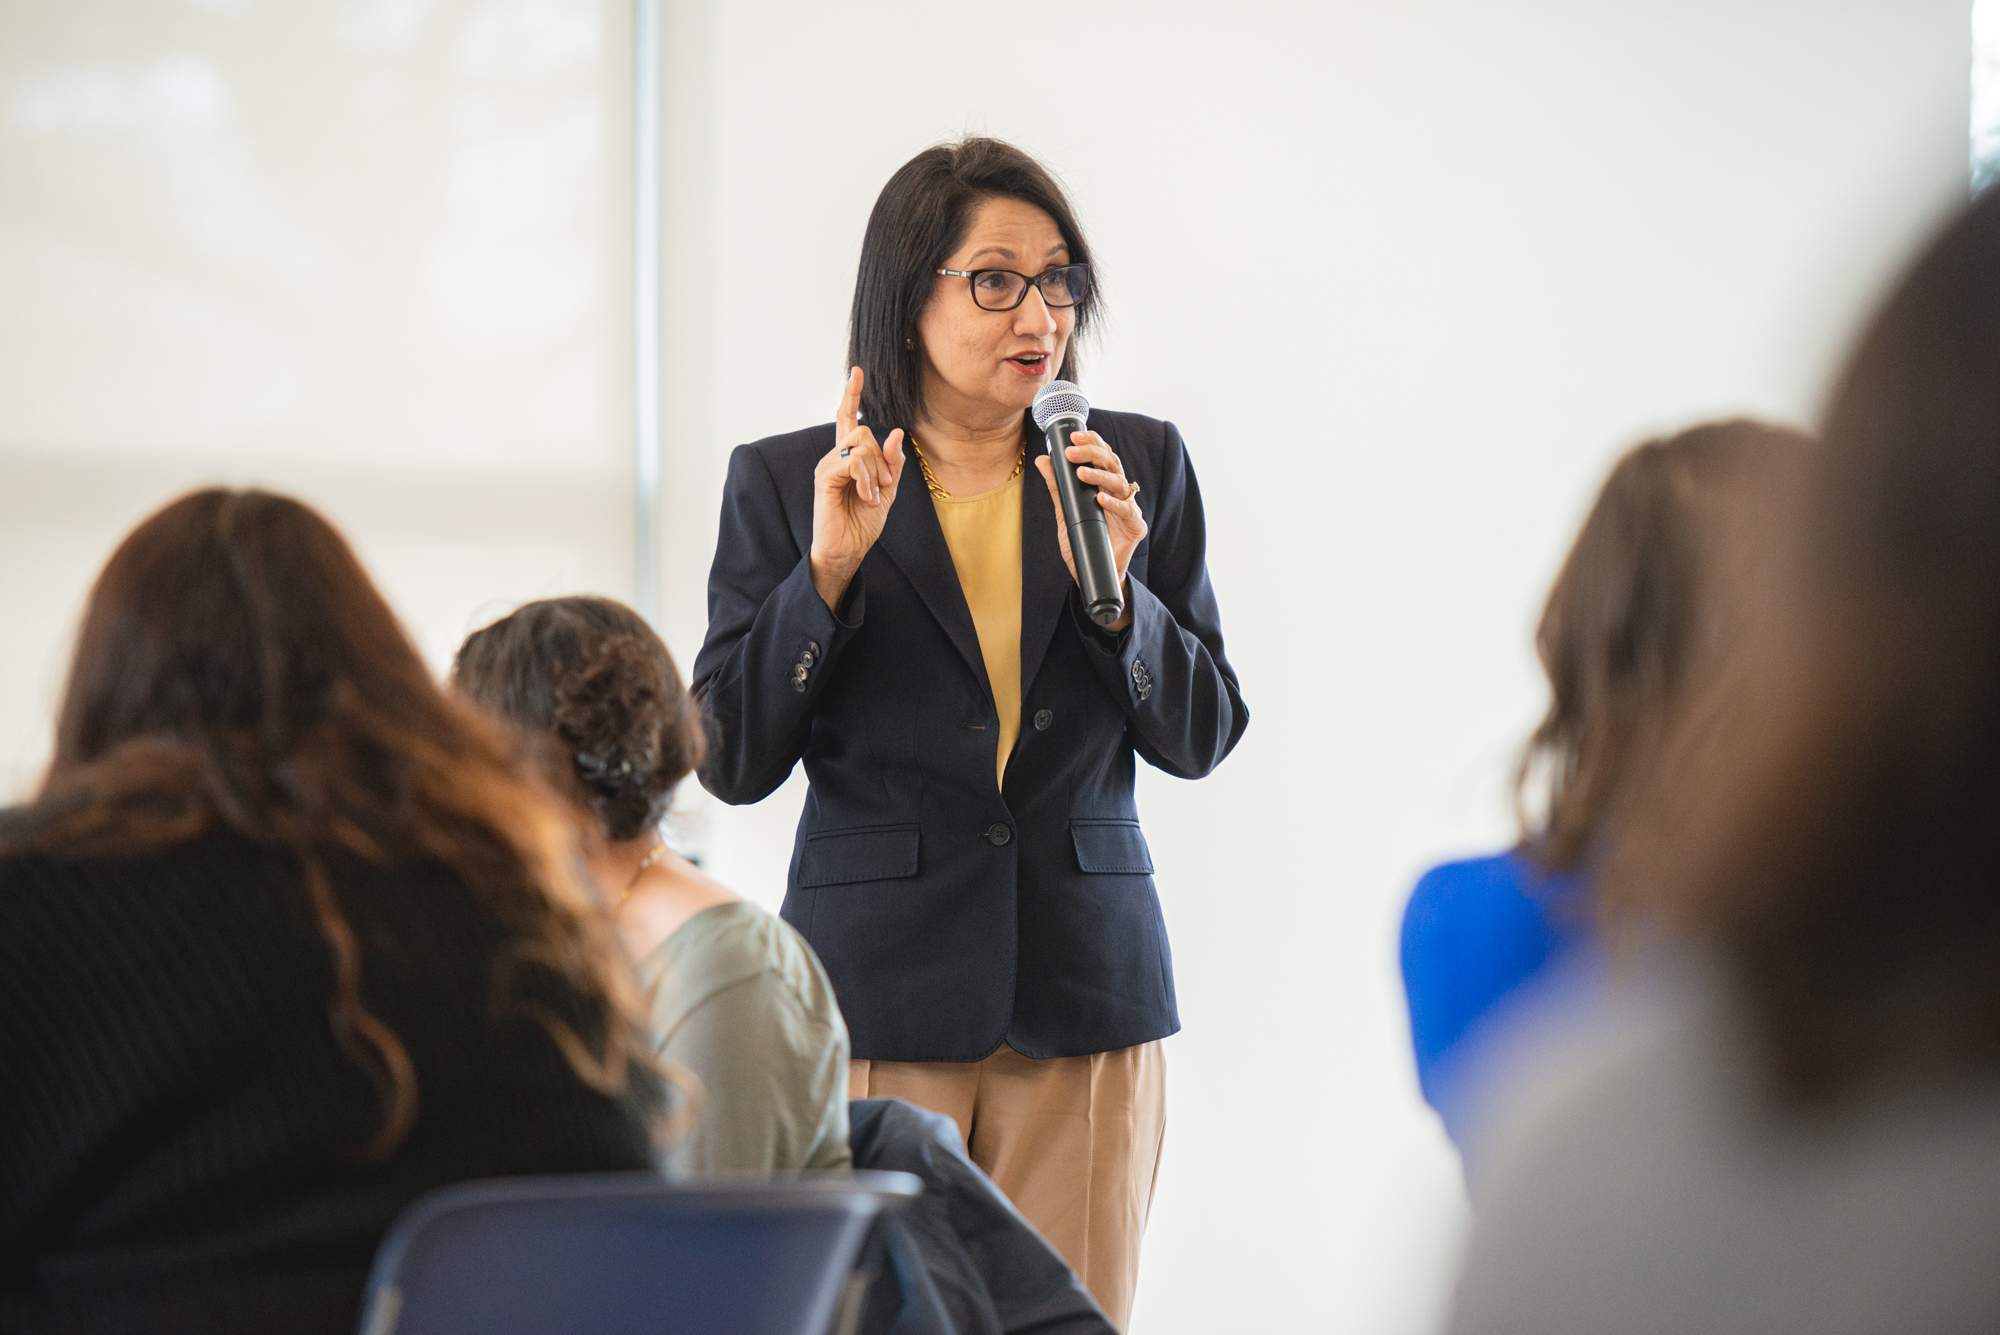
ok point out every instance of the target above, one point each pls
(1003, 289)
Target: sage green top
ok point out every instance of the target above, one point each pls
(739, 999)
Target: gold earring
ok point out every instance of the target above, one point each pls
(910, 343)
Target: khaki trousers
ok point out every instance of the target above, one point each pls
(1073, 1141)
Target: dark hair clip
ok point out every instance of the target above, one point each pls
(600, 768)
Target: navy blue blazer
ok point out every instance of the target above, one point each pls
(951, 915)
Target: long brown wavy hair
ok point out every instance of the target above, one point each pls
(1831, 826)
(237, 668)
(1646, 605)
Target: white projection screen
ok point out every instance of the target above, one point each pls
(375, 254)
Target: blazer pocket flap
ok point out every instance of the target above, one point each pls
(842, 857)
(1111, 846)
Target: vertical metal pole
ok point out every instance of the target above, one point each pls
(646, 305)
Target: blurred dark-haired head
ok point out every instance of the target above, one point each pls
(1832, 827)
(236, 665)
(1648, 600)
(235, 661)
(589, 681)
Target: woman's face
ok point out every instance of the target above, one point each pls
(980, 363)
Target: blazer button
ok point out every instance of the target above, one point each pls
(1142, 680)
(799, 678)
(999, 834)
(1042, 720)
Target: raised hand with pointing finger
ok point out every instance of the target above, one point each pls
(853, 487)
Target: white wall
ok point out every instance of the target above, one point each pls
(1407, 275)
(374, 251)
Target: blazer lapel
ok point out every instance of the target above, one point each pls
(1045, 580)
(914, 541)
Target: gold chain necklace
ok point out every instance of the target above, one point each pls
(930, 479)
(659, 851)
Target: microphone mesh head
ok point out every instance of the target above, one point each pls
(1059, 398)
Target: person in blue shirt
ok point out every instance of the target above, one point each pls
(1642, 608)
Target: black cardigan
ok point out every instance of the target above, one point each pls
(175, 1116)
(952, 916)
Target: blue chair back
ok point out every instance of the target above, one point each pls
(607, 1254)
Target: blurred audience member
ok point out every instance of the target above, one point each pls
(284, 943)
(738, 997)
(1804, 1136)
(1641, 607)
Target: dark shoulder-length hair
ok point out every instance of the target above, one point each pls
(596, 691)
(236, 668)
(919, 219)
(1832, 829)
(1643, 605)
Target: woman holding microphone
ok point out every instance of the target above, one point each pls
(970, 866)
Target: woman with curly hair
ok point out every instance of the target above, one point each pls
(737, 997)
(739, 1000)
(285, 942)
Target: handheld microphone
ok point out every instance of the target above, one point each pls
(1060, 410)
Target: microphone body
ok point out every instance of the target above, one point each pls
(1060, 411)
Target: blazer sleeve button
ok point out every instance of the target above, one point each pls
(1043, 718)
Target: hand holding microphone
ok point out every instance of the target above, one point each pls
(1097, 511)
